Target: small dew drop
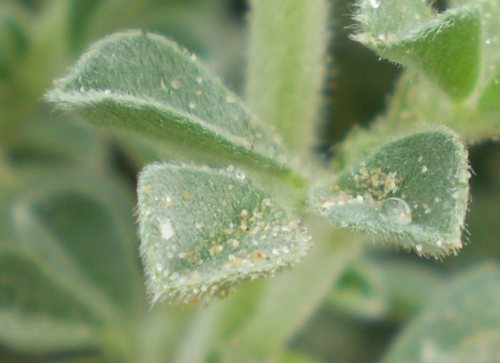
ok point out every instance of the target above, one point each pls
(166, 229)
(199, 80)
(424, 169)
(194, 58)
(240, 175)
(192, 105)
(107, 92)
(418, 248)
(397, 210)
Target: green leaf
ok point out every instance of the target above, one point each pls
(78, 230)
(286, 66)
(445, 47)
(202, 230)
(143, 84)
(379, 289)
(37, 312)
(459, 326)
(490, 77)
(412, 191)
(53, 142)
(490, 98)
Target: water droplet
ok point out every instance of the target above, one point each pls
(166, 229)
(374, 4)
(424, 169)
(199, 80)
(418, 248)
(192, 105)
(397, 210)
(194, 58)
(240, 175)
(107, 92)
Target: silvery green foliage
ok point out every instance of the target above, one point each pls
(460, 325)
(445, 47)
(144, 84)
(412, 191)
(203, 230)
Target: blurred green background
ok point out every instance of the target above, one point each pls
(71, 287)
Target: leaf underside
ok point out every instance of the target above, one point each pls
(445, 47)
(412, 191)
(203, 230)
(143, 84)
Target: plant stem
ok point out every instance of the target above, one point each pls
(290, 299)
(286, 66)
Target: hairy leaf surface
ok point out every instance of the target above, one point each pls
(143, 84)
(446, 47)
(412, 191)
(202, 230)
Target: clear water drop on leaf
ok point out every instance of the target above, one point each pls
(396, 210)
(400, 204)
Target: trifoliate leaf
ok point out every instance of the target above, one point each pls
(445, 47)
(143, 84)
(203, 230)
(460, 326)
(412, 191)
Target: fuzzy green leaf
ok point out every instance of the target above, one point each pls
(143, 84)
(446, 47)
(459, 326)
(412, 191)
(202, 230)
(36, 310)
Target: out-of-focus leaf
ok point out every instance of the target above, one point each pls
(78, 230)
(379, 289)
(52, 142)
(203, 230)
(37, 312)
(412, 191)
(143, 84)
(460, 326)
